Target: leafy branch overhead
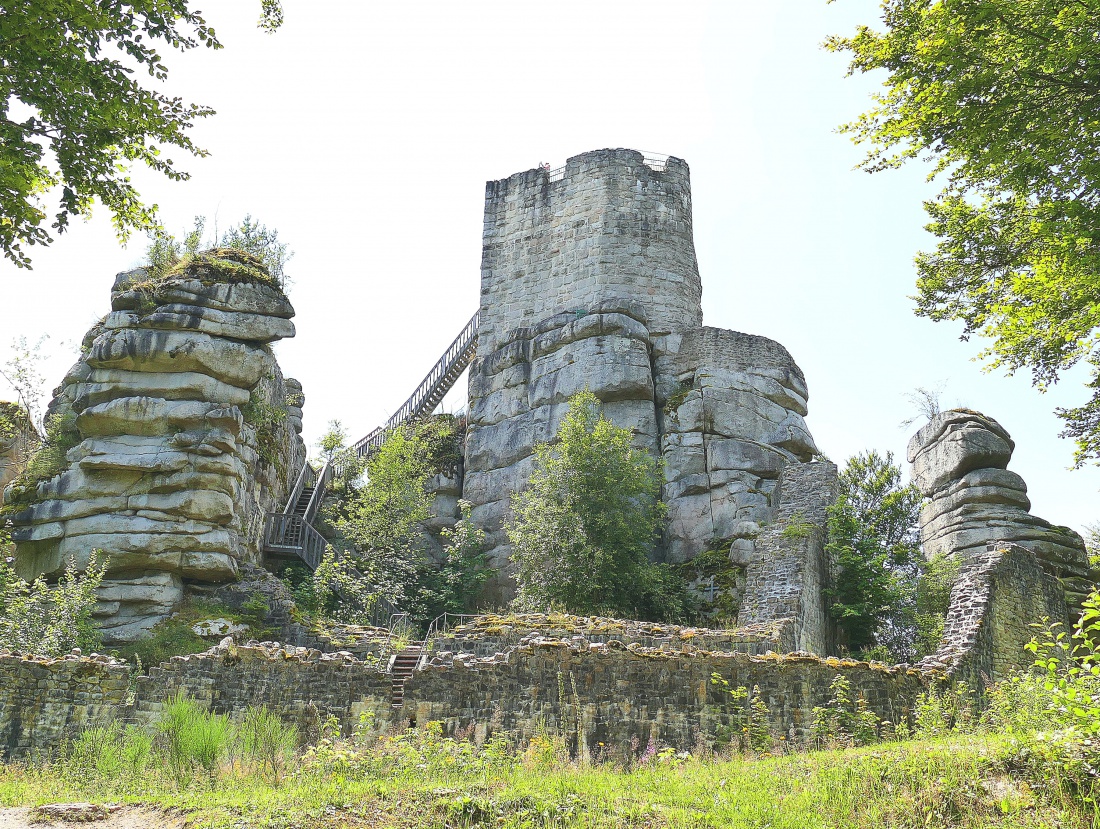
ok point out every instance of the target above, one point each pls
(1004, 97)
(75, 117)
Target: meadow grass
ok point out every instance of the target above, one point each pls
(967, 781)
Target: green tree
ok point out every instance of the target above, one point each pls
(1004, 96)
(382, 519)
(1092, 543)
(74, 116)
(874, 546)
(379, 526)
(582, 530)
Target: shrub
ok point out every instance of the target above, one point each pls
(192, 740)
(268, 741)
(584, 527)
(844, 721)
(50, 619)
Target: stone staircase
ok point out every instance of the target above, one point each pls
(403, 667)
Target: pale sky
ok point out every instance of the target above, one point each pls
(365, 131)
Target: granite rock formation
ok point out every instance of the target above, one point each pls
(589, 280)
(183, 434)
(960, 461)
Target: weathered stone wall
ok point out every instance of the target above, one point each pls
(591, 692)
(185, 434)
(645, 694)
(788, 571)
(302, 685)
(489, 635)
(611, 228)
(999, 593)
(960, 461)
(44, 701)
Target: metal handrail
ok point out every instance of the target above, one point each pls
(431, 389)
(654, 161)
(290, 532)
(440, 625)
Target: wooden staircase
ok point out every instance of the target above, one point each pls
(302, 503)
(403, 667)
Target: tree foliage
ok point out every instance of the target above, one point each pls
(49, 619)
(380, 524)
(1004, 96)
(74, 115)
(875, 550)
(582, 530)
(165, 253)
(382, 519)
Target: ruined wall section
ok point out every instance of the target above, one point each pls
(999, 593)
(787, 569)
(622, 693)
(185, 433)
(960, 461)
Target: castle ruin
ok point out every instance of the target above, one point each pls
(184, 464)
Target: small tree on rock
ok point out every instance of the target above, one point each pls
(582, 530)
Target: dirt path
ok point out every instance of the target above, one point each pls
(126, 817)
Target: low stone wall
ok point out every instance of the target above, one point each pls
(603, 696)
(43, 701)
(591, 692)
(491, 634)
(303, 685)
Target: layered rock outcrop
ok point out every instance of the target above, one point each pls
(183, 434)
(589, 280)
(960, 461)
(733, 408)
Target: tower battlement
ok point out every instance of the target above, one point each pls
(606, 226)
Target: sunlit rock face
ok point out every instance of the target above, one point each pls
(589, 280)
(183, 432)
(960, 461)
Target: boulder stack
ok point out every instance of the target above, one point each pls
(960, 461)
(179, 433)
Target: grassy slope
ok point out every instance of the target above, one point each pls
(957, 782)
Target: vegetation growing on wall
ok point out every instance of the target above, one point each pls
(247, 252)
(47, 460)
(266, 417)
(583, 529)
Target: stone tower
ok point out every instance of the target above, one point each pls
(589, 279)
